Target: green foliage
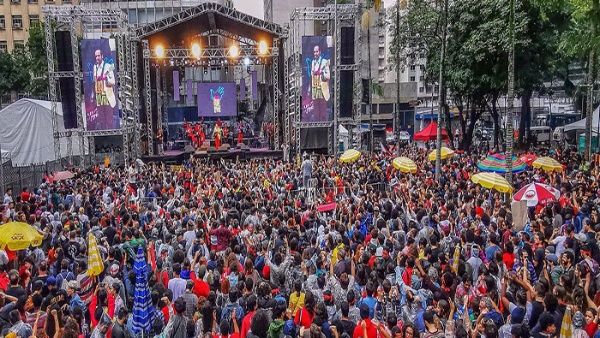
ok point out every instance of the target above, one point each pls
(477, 48)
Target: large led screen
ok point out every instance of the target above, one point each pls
(100, 84)
(217, 99)
(317, 86)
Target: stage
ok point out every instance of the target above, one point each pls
(178, 156)
(241, 154)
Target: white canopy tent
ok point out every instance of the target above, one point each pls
(26, 135)
(580, 125)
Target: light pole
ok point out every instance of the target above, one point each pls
(510, 94)
(441, 94)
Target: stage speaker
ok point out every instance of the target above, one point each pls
(64, 62)
(366, 87)
(347, 45)
(67, 98)
(346, 92)
(64, 53)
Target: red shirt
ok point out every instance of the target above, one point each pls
(303, 318)
(4, 281)
(371, 330)
(246, 324)
(508, 258)
(233, 335)
(201, 288)
(591, 328)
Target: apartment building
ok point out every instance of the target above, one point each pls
(16, 16)
(145, 12)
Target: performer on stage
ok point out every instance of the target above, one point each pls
(201, 136)
(240, 136)
(217, 134)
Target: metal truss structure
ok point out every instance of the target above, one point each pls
(347, 15)
(151, 62)
(210, 53)
(75, 19)
(241, 39)
(207, 7)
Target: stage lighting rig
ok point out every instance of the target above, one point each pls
(196, 51)
(159, 50)
(263, 48)
(234, 51)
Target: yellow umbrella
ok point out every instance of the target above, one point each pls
(95, 263)
(350, 156)
(404, 164)
(547, 164)
(492, 181)
(19, 236)
(446, 153)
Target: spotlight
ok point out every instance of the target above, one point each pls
(246, 61)
(196, 52)
(234, 51)
(263, 49)
(159, 51)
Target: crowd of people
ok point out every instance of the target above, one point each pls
(240, 249)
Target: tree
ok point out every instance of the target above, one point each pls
(477, 52)
(6, 71)
(36, 46)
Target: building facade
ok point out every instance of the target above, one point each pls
(145, 12)
(17, 16)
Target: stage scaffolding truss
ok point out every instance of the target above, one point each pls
(249, 32)
(78, 21)
(347, 15)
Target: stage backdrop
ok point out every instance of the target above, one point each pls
(317, 86)
(217, 99)
(100, 84)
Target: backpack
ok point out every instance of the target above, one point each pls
(64, 279)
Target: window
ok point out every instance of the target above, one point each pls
(3, 46)
(17, 22)
(19, 44)
(412, 79)
(421, 78)
(15, 1)
(412, 67)
(32, 1)
(2, 22)
(422, 67)
(421, 89)
(34, 20)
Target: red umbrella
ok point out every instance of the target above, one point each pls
(62, 175)
(536, 193)
(528, 158)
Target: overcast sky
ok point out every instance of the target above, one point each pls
(252, 7)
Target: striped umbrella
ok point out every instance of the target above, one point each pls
(496, 163)
(404, 164)
(95, 263)
(547, 164)
(492, 181)
(537, 193)
(141, 295)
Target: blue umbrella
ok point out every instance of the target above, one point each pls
(141, 296)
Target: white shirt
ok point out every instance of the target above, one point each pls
(177, 286)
